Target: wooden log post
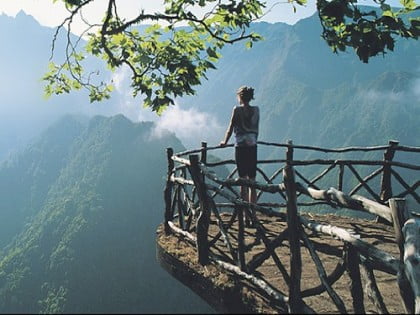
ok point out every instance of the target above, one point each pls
(241, 238)
(356, 289)
(399, 216)
(168, 190)
(386, 187)
(411, 233)
(180, 206)
(203, 220)
(241, 235)
(371, 288)
(293, 223)
(203, 157)
(341, 177)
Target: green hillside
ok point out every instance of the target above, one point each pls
(314, 97)
(26, 178)
(87, 242)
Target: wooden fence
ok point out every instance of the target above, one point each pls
(195, 193)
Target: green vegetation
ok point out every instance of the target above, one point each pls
(26, 179)
(86, 243)
(168, 61)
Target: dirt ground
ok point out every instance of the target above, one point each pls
(329, 251)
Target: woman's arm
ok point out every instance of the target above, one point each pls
(229, 130)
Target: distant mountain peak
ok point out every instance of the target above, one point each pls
(23, 17)
(21, 14)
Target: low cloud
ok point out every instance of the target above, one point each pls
(123, 101)
(416, 88)
(190, 126)
(381, 96)
(411, 94)
(120, 79)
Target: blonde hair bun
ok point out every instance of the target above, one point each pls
(246, 92)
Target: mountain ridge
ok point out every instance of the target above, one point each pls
(299, 82)
(89, 247)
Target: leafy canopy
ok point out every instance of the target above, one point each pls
(173, 54)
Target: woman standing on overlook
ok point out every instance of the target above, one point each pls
(244, 123)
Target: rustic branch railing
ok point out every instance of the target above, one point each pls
(194, 195)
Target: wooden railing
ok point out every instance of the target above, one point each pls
(195, 193)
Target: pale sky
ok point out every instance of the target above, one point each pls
(52, 14)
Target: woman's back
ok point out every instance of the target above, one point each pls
(248, 118)
(245, 125)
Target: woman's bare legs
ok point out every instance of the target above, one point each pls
(244, 191)
(245, 197)
(248, 195)
(253, 193)
(252, 199)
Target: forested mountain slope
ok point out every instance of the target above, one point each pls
(26, 178)
(90, 205)
(314, 97)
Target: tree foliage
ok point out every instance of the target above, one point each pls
(173, 54)
(369, 32)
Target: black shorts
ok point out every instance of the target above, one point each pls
(246, 161)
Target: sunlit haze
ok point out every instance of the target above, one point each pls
(52, 14)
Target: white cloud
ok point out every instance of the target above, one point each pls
(380, 96)
(190, 126)
(120, 78)
(416, 88)
(411, 94)
(123, 101)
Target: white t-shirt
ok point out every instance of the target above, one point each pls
(245, 122)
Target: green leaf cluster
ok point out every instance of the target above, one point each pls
(167, 60)
(369, 33)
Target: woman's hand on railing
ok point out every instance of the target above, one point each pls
(223, 143)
